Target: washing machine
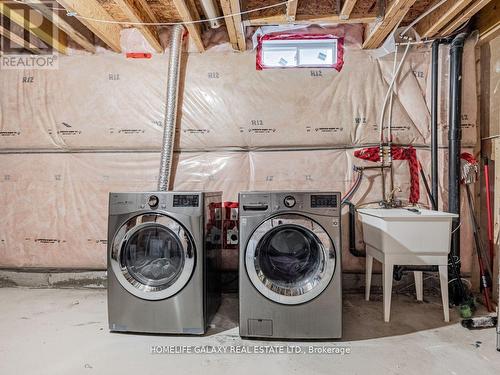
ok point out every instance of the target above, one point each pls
(290, 284)
(164, 253)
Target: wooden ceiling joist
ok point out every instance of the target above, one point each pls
(134, 11)
(231, 29)
(145, 6)
(489, 34)
(488, 22)
(354, 18)
(395, 12)
(193, 29)
(238, 25)
(105, 18)
(475, 7)
(435, 21)
(236, 32)
(195, 13)
(19, 40)
(347, 8)
(291, 10)
(39, 5)
(45, 30)
(307, 19)
(109, 33)
(278, 19)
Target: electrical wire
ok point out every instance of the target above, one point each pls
(490, 137)
(46, 5)
(458, 226)
(76, 15)
(402, 289)
(360, 205)
(431, 9)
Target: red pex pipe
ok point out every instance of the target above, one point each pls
(398, 153)
(488, 208)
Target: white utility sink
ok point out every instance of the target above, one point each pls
(399, 236)
(400, 230)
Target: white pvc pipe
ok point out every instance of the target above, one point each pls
(212, 13)
(389, 91)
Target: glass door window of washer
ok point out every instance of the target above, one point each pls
(153, 256)
(290, 259)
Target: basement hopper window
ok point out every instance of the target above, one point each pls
(299, 51)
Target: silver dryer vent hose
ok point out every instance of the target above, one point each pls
(167, 149)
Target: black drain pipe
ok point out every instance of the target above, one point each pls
(352, 231)
(454, 149)
(434, 124)
(454, 139)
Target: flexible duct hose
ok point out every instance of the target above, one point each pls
(174, 64)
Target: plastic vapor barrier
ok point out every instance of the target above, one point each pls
(56, 215)
(70, 136)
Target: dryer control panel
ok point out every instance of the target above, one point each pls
(187, 203)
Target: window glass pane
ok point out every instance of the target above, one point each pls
(280, 57)
(299, 53)
(316, 56)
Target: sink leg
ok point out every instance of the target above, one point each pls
(443, 281)
(419, 285)
(368, 281)
(387, 270)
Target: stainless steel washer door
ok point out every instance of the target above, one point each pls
(290, 259)
(153, 256)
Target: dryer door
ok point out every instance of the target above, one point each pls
(153, 256)
(290, 259)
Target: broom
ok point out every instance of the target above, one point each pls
(469, 175)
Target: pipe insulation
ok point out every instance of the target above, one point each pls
(174, 67)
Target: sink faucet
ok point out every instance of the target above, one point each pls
(389, 201)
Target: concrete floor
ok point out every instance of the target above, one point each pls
(64, 331)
